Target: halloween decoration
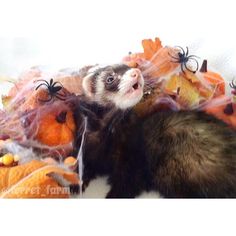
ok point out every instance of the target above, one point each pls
(38, 112)
(7, 159)
(56, 128)
(33, 180)
(173, 82)
(53, 89)
(183, 58)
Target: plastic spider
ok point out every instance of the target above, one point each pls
(233, 86)
(183, 58)
(53, 89)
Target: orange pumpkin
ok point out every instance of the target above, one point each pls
(34, 100)
(25, 102)
(213, 79)
(223, 108)
(35, 180)
(56, 128)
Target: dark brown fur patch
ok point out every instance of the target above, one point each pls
(120, 69)
(93, 84)
(114, 86)
(116, 71)
(180, 154)
(191, 154)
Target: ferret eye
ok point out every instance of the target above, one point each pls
(110, 79)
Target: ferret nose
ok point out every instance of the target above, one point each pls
(135, 73)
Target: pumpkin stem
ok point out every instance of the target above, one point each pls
(204, 67)
(61, 118)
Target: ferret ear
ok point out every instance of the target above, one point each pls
(84, 71)
(85, 74)
(87, 86)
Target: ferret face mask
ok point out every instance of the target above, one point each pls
(114, 84)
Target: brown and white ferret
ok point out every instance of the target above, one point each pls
(186, 154)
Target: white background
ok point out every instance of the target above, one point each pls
(73, 33)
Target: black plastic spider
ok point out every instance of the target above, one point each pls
(53, 90)
(183, 58)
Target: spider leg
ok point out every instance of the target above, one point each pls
(63, 95)
(232, 84)
(193, 56)
(182, 67)
(173, 56)
(197, 66)
(193, 59)
(42, 80)
(186, 67)
(47, 100)
(183, 52)
(175, 61)
(57, 83)
(60, 97)
(186, 52)
(40, 86)
(51, 82)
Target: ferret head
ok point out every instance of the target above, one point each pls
(116, 84)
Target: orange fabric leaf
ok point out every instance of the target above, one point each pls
(30, 180)
(150, 47)
(217, 80)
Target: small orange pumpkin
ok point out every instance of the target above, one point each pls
(223, 108)
(56, 128)
(213, 79)
(34, 100)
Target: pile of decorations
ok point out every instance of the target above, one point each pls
(38, 130)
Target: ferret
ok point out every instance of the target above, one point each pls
(185, 154)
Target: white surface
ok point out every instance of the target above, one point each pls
(73, 33)
(98, 188)
(70, 32)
